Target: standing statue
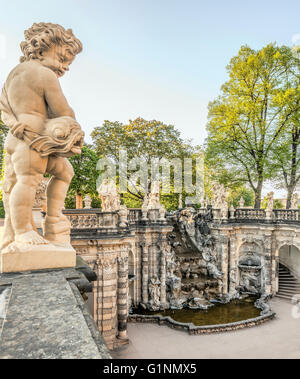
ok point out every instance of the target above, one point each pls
(109, 196)
(43, 132)
(153, 198)
(154, 293)
(219, 200)
(242, 202)
(294, 202)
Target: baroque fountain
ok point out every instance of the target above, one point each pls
(194, 278)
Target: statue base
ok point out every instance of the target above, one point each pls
(38, 257)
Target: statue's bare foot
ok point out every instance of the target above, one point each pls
(31, 238)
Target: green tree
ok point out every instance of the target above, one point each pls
(286, 159)
(254, 109)
(140, 139)
(237, 193)
(85, 177)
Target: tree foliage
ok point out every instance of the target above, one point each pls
(285, 159)
(85, 177)
(254, 109)
(140, 139)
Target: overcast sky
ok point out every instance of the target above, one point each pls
(158, 59)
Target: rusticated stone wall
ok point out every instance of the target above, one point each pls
(126, 258)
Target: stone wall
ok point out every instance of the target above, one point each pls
(263, 241)
(124, 259)
(128, 256)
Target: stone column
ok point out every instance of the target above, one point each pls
(268, 263)
(224, 247)
(275, 266)
(122, 295)
(163, 293)
(145, 273)
(233, 275)
(106, 302)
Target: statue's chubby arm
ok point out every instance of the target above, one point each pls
(55, 99)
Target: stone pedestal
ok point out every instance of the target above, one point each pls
(38, 258)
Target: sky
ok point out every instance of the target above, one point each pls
(156, 59)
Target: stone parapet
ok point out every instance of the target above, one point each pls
(45, 317)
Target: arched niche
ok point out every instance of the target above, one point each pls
(289, 256)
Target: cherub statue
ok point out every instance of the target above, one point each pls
(43, 131)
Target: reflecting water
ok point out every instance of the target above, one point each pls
(236, 310)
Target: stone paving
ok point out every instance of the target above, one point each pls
(278, 338)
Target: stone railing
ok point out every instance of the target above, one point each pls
(134, 215)
(91, 218)
(262, 215)
(94, 218)
(242, 214)
(287, 215)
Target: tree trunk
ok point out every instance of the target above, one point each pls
(290, 191)
(293, 175)
(258, 190)
(79, 203)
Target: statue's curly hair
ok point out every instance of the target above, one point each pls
(40, 37)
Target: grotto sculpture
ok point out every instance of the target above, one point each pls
(43, 131)
(154, 293)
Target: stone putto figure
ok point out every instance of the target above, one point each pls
(109, 196)
(43, 132)
(154, 292)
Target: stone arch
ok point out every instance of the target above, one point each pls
(289, 256)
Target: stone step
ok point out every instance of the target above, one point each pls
(288, 290)
(289, 285)
(288, 293)
(286, 275)
(283, 296)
